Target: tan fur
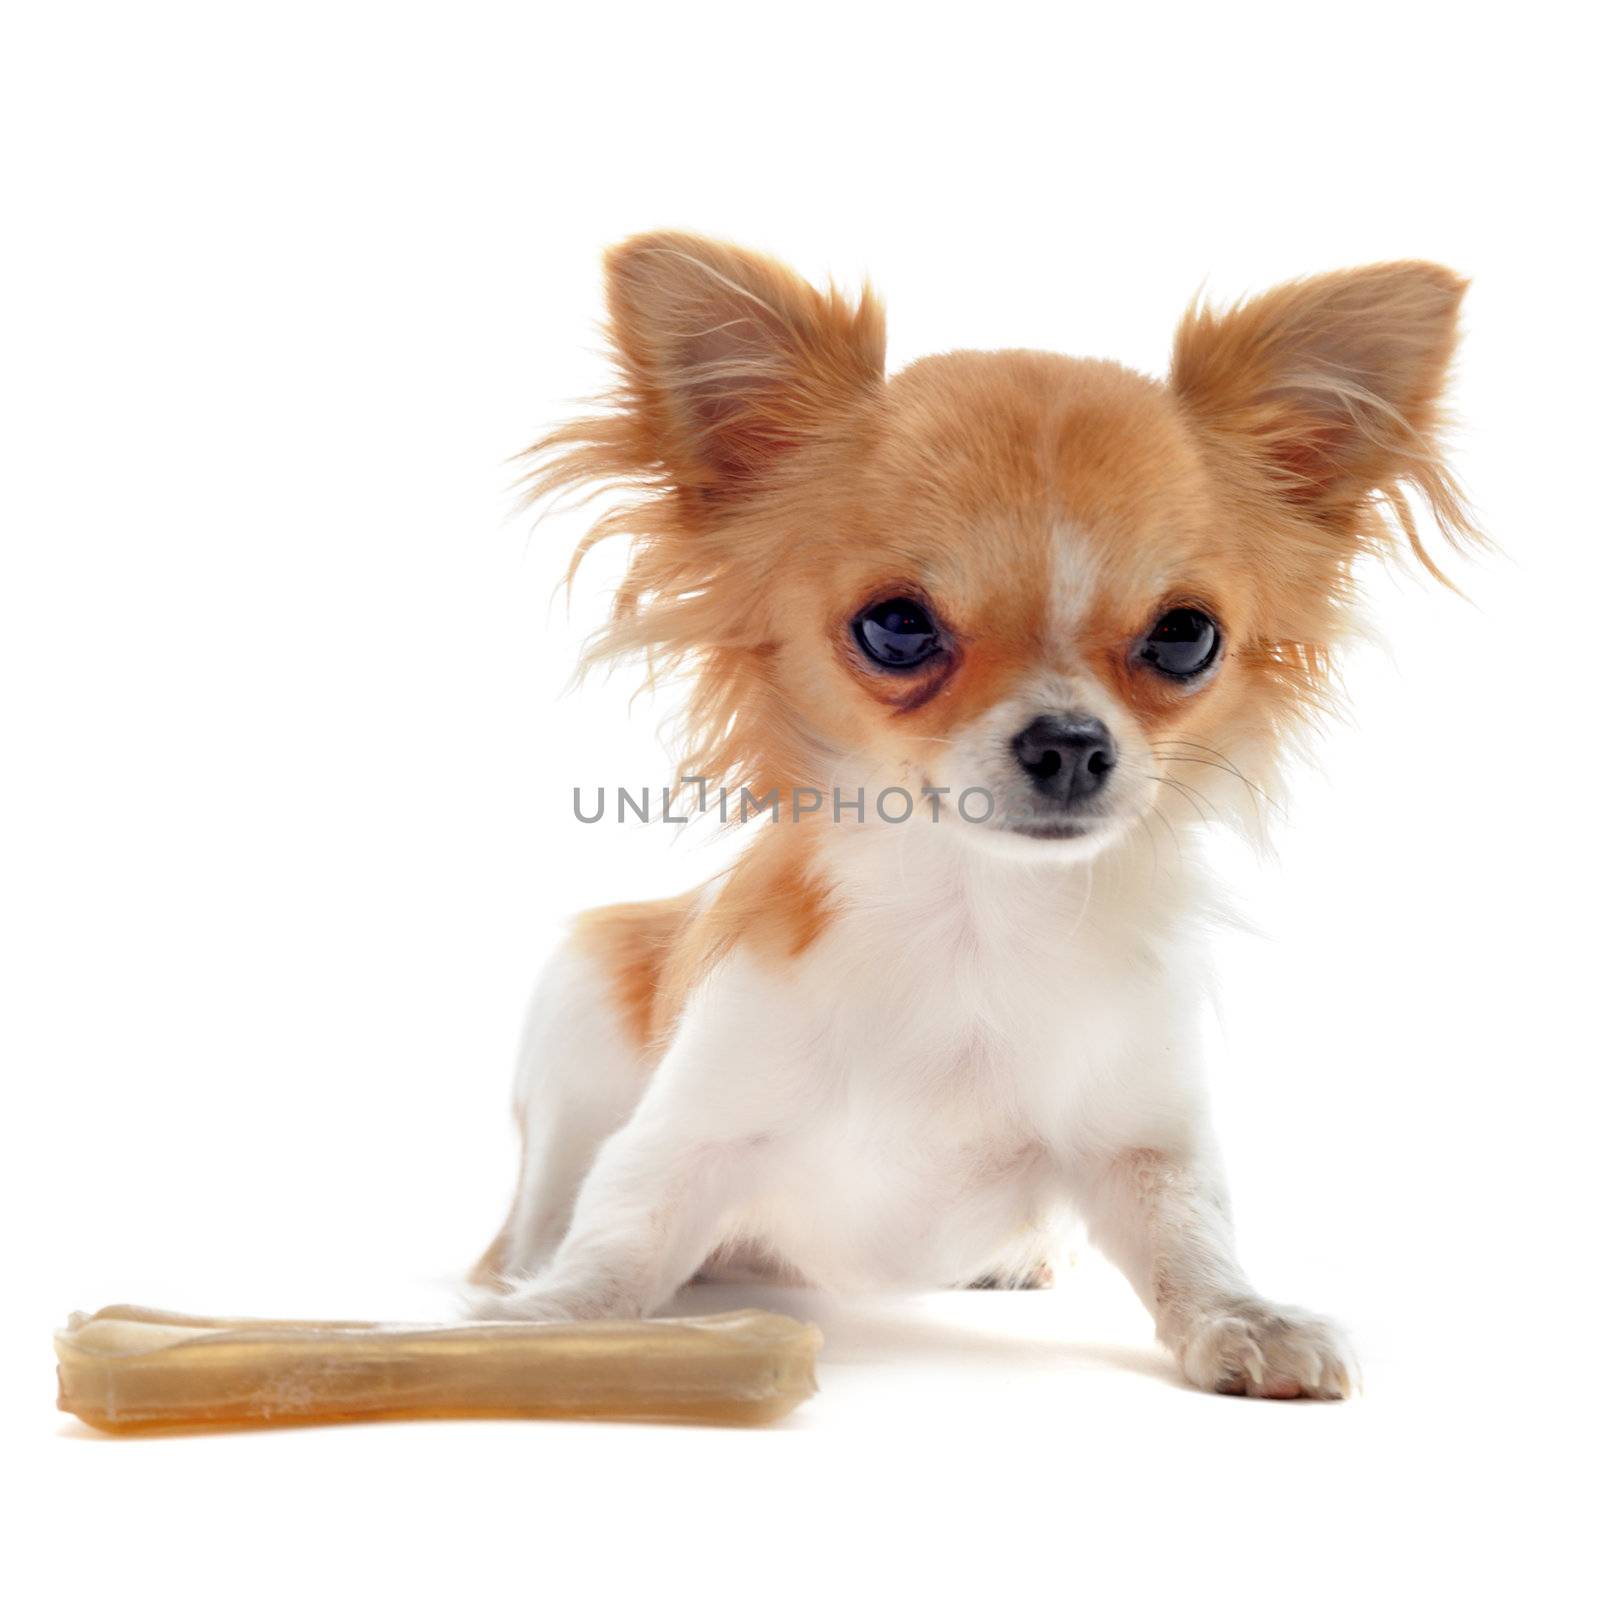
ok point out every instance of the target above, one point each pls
(655, 951)
(634, 944)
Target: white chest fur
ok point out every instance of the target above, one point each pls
(963, 1031)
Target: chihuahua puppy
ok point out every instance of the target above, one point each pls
(989, 638)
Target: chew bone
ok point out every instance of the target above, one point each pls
(128, 1368)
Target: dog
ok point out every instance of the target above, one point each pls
(1068, 613)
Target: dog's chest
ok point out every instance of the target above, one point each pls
(921, 1182)
(968, 1007)
(954, 1061)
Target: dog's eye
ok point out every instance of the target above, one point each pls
(1182, 644)
(898, 634)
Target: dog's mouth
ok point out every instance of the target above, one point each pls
(1052, 831)
(1032, 817)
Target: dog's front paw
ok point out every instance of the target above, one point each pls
(1277, 1352)
(490, 1305)
(538, 1300)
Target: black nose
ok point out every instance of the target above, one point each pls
(1069, 758)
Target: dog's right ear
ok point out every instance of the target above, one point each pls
(728, 359)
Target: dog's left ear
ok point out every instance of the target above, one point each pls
(1330, 386)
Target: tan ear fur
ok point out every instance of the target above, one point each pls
(731, 358)
(1329, 388)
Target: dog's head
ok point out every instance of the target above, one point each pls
(1050, 582)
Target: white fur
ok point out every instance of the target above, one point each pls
(991, 1032)
(974, 1046)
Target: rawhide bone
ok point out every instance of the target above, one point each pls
(128, 1368)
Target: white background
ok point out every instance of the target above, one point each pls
(288, 778)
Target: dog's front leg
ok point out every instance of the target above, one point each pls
(646, 1217)
(652, 1207)
(1162, 1217)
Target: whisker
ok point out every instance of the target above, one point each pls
(1187, 792)
(1221, 762)
(1199, 796)
(1177, 841)
(1206, 749)
(1260, 795)
(1083, 910)
(1155, 859)
(1166, 822)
